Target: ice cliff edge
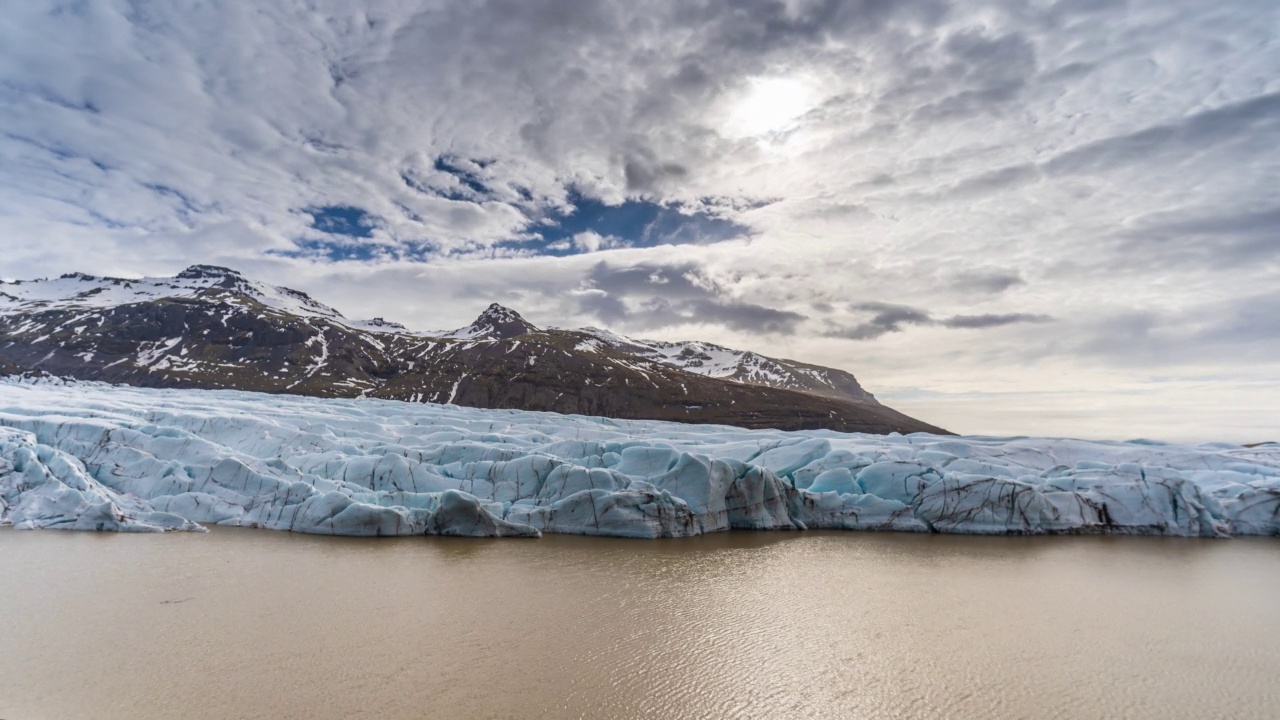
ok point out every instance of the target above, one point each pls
(94, 457)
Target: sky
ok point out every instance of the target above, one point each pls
(1041, 218)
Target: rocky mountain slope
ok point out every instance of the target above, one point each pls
(211, 327)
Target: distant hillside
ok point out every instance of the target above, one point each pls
(210, 327)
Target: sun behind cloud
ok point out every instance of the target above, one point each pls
(770, 105)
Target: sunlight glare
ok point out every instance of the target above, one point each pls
(770, 105)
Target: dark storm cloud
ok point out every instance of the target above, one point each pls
(889, 318)
(651, 296)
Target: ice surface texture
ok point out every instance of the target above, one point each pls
(85, 456)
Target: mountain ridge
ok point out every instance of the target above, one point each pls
(211, 326)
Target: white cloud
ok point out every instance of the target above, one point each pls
(591, 241)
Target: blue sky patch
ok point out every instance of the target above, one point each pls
(346, 226)
(634, 223)
(464, 171)
(343, 250)
(345, 220)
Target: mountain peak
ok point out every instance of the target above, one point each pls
(200, 272)
(226, 277)
(499, 322)
(498, 310)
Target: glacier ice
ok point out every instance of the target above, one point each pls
(87, 456)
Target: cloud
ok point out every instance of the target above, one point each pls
(998, 69)
(592, 241)
(993, 181)
(1244, 330)
(987, 280)
(652, 296)
(1194, 133)
(990, 320)
(888, 318)
(645, 174)
(1097, 162)
(1207, 237)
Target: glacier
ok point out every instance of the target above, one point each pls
(89, 456)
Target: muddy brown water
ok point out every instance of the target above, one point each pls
(260, 624)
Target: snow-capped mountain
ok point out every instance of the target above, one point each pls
(741, 366)
(495, 323)
(211, 327)
(198, 282)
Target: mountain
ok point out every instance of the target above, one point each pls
(211, 327)
(740, 366)
(495, 323)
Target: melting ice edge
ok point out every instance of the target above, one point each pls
(85, 456)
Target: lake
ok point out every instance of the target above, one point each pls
(260, 624)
